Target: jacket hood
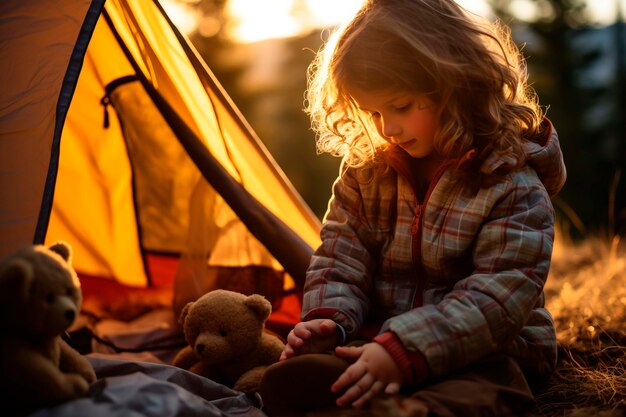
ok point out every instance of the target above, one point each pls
(543, 154)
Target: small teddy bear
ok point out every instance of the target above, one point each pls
(227, 341)
(40, 298)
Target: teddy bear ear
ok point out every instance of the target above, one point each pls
(15, 279)
(184, 312)
(259, 305)
(64, 249)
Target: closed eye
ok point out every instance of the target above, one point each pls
(402, 109)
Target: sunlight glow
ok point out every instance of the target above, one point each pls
(182, 14)
(479, 7)
(254, 21)
(325, 13)
(524, 10)
(603, 12)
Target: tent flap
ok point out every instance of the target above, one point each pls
(141, 153)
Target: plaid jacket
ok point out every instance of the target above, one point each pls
(453, 278)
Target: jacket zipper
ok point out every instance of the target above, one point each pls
(416, 237)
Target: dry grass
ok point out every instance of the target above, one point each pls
(586, 293)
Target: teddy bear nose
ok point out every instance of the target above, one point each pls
(70, 315)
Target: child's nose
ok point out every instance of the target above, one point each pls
(391, 130)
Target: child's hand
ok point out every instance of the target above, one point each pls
(313, 336)
(373, 372)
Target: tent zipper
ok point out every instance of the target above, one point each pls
(108, 90)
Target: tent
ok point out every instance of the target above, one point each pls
(117, 138)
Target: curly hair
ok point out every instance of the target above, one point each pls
(471, 69)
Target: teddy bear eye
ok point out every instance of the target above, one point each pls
(50, 298)
(69, 292)
(223, 333)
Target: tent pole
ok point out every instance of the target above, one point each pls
(211, 82)
(293, 253)
(289, 249)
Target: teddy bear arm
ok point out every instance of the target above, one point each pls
(185, 358)
(209, 371)
(46, 383)
(74, 362)
(271, 349)
(268, 353)
(250, 380)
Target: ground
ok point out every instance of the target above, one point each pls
(586, 294)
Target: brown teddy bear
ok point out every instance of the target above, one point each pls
(227, 339)
(40, 298)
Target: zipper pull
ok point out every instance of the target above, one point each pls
(416, 220)
(105, 101)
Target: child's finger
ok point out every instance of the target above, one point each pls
(287, 352)
(352, 374)
(297, 336)
(392, 388)
(301, 331)
(327, 327)
(376, 389)
(350, 353)
(357, 390)
(294, 341)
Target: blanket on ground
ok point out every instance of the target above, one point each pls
(129, 388)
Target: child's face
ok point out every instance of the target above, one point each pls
(407, 119)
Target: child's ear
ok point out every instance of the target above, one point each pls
(16, 278)
(259, 305)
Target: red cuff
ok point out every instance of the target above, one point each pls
(412, 364)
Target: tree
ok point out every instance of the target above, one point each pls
(578, 72)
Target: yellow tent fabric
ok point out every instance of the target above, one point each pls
(116, 199)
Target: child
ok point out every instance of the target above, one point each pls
(438, 237)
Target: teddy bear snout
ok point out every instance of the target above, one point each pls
(66, 311)
(211, 348)
(70, 315)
